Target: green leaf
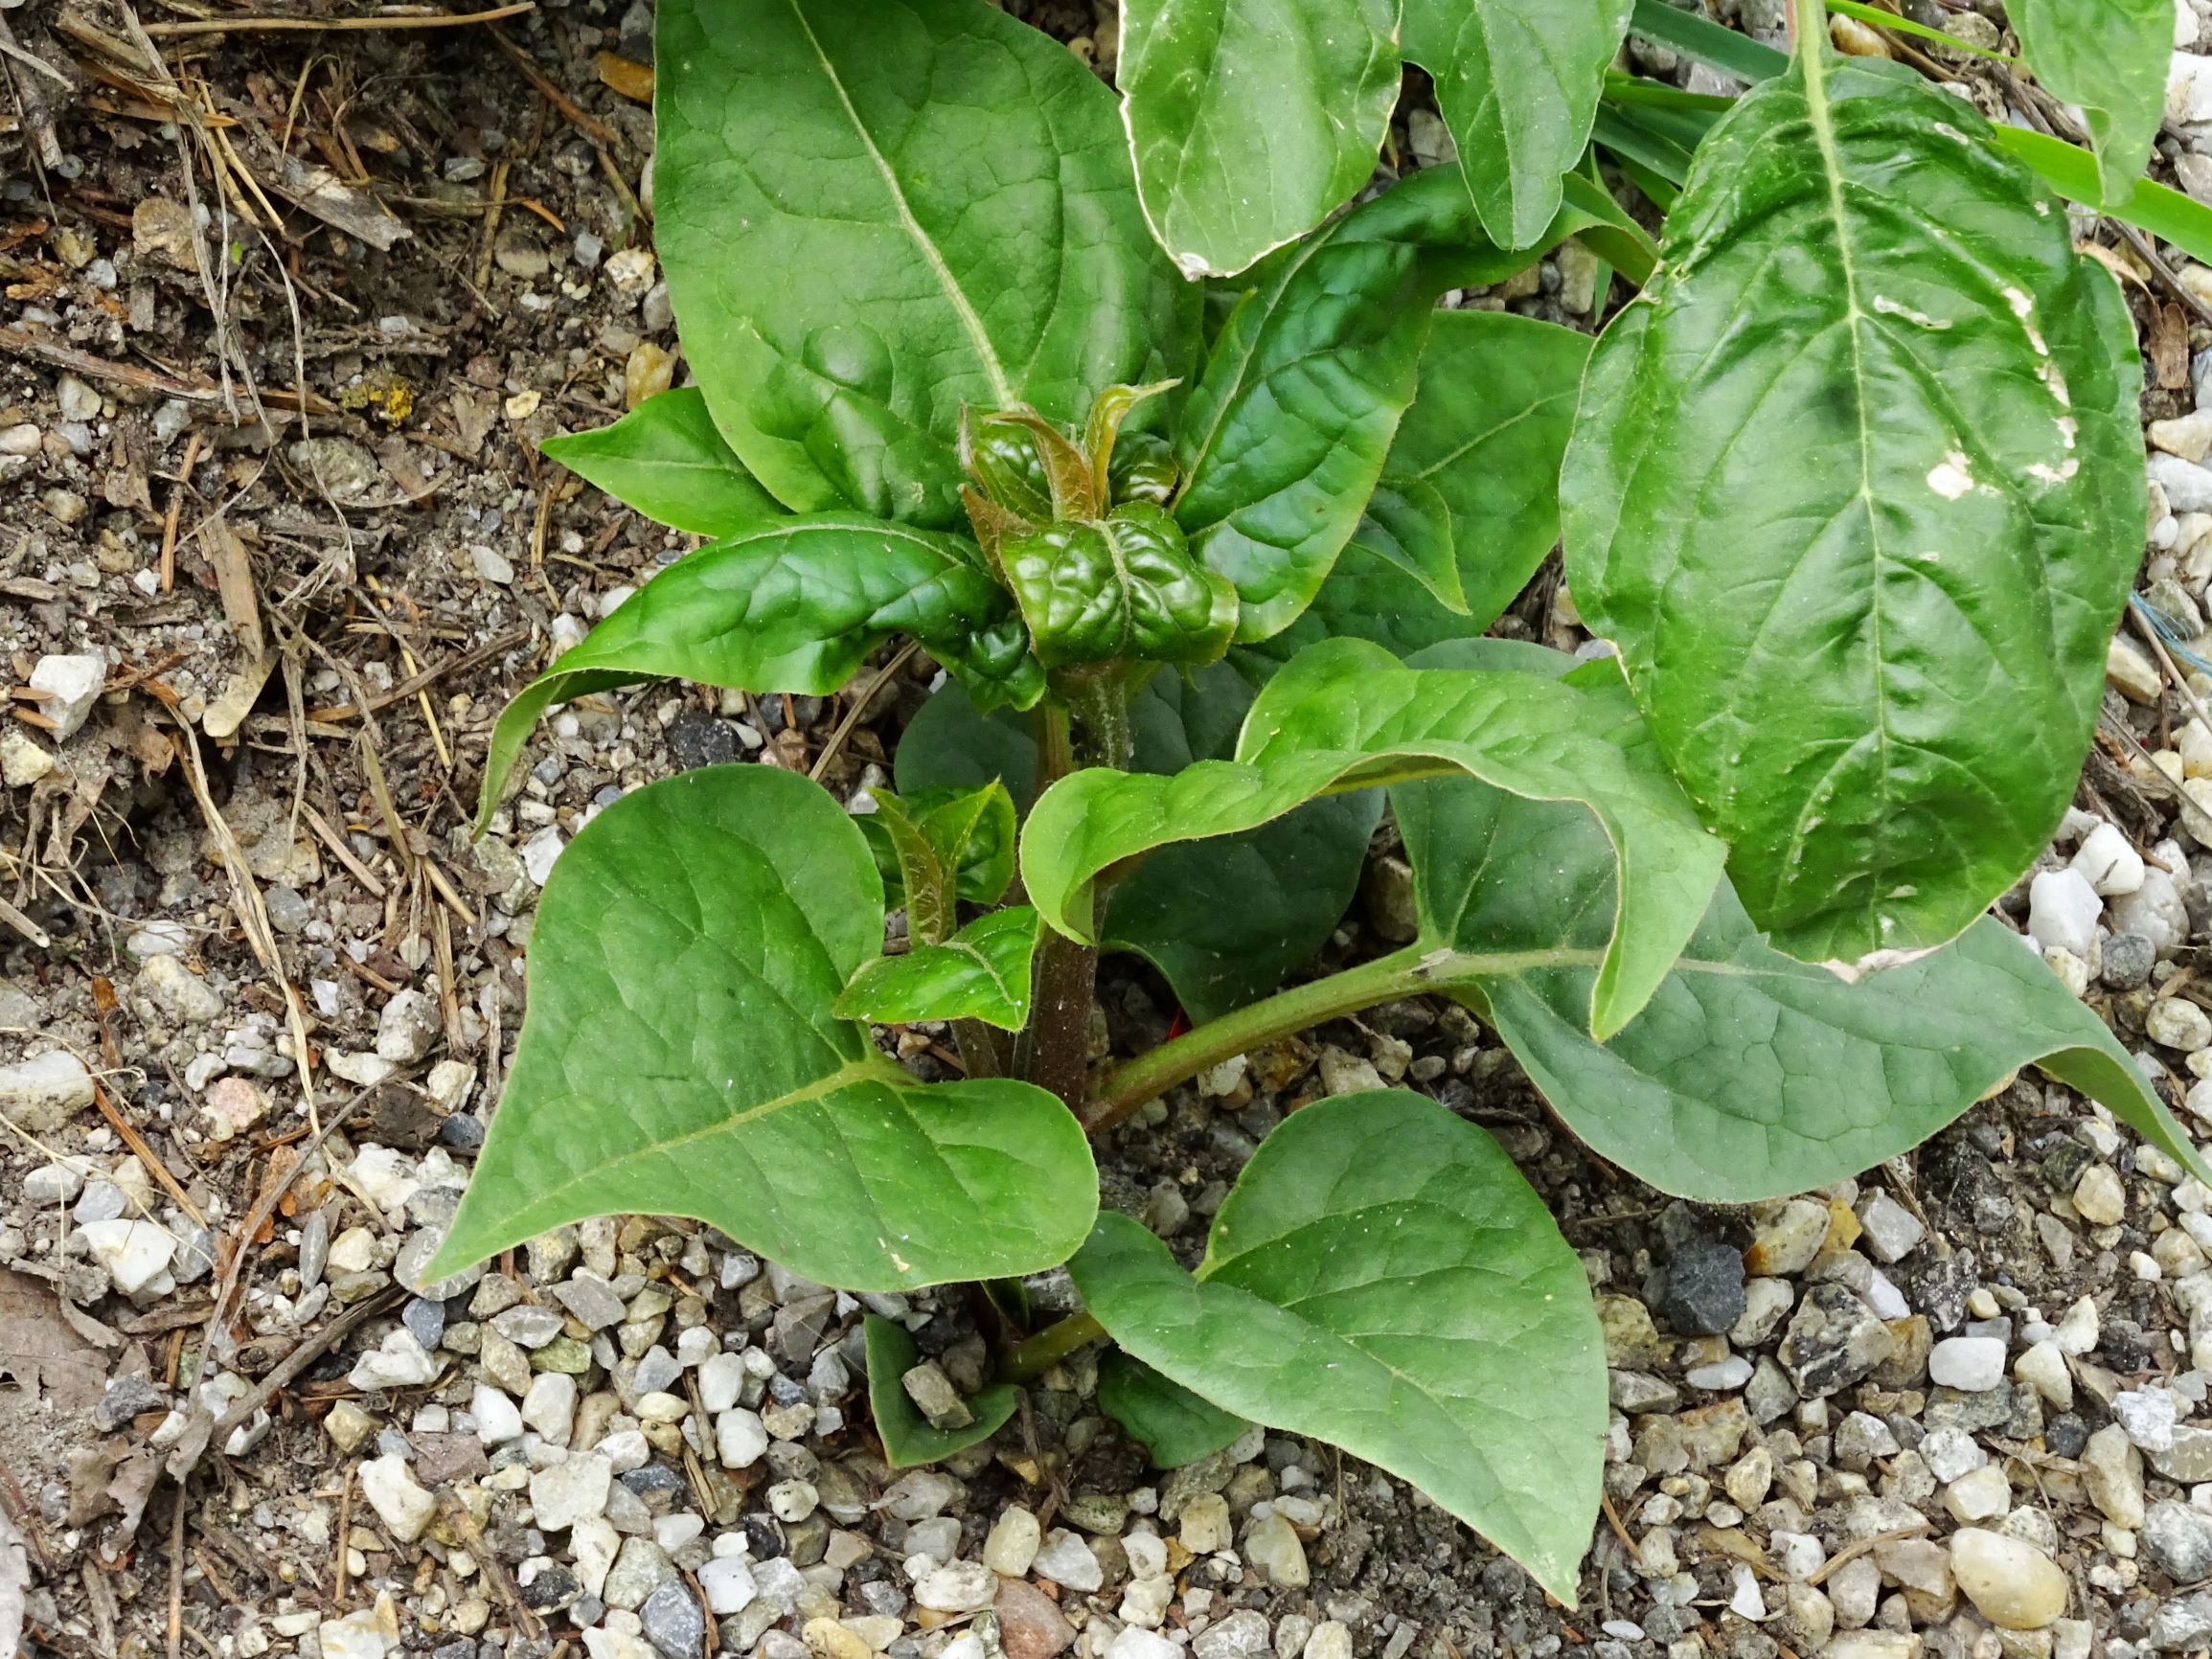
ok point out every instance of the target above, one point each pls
(665, 459)
(964, 833)
(1249, 119)
(1283, 440)
(1346, 715)
(1382, 1277)
(909, 1440)
(2109, 58)
(1857, 489)
(1475, 464)
(874, 212)
(981, 973)
(1173, 1425)
(2072, 172)
(1749, 1075)
(1518, 82)
(681, 1058)
(1124, 586)
(795, 604)
(1224, 919)
(1702, 40)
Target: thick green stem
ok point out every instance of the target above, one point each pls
(1129, 1086)
(980, 1050)
(1033, 1359)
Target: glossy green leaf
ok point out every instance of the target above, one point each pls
(1249, 119)
(1749, 1075)
(2109, 58)
(981, 973)
(1518, 82)
(966, 832)
(1126, 587)
(665, 459)
(1702, 40)
(1224, 919)
(1382, 1277)
(795, 604)
(681, 1057)
(1283, 440)
(1173, 1425)
(1345, 714)
(1475, 464)
(2149, 206)
(1857, 489)
(875, 212)
(909, 1439)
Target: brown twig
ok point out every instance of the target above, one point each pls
(1851, 1552)
(589, 126)
(334, 25)
(860, 705)
(407, 688)
(143, 1153)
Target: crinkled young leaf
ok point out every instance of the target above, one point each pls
(875, 212)
(1222, 919)
(666, 460)
(1249, 119)
(1347, 714)
(1749, 1075)
(1856, 488)
(981, 973)
(2109, 58)
(794, 604)
(1122, 586)
(681, 1057)
(969, 832)
(1173, 1425)
(909, 1439)
(1380, 1277)
(1518, 82)
(1282, 438)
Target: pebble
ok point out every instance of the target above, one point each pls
(72, 685)
(1890, 1231)
(2042, 1367)
(1786, 1244)
(592, 1299)
(1833, 1340)
(2113, 1475)
(400, 1361)
(572, 1491)
(957, 1587)
(727, 1581)
(1980, 1494)
(1135, 1643)
(2179, 1023)
(1704, 1294)
(45, 1092)
(398, 1499)
(1271, 1544)
(135, 1253)
(741, 1438)
(2098, 1197)
(1068, 1562)
(2011, 1582)
(1971, 1364)
(1014, 1539)
(2064, 910)
(499, 1420)
(550, 1406)
(672, 1621)
(2110, 862)
(2177, 1539)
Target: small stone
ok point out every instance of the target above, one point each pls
(673, 1621)
(2011, 1582)
(727, 1581)
(1786, 1244)
(361, 1634)
(640, 1568)
(2177, 1539)
(957, 1587)
(1890, 1231)
(933, 1395)
(1271, 1544)
(22, 761)
(1980, 1494)
(2098, 1197)
(1971, 1364)
(497, 1418)
(2110, 862)
(550, 1405)
(592, 1299)
(45, 1092)
(1014, 1543)
(2063, 912)
(572, 1491)
(2179, 1023)
(177, 991)
(1704, 1294)
(2127, 669)
(398, 1499)
(1068, 1562)
(1834, 1339)
(2043, 1368)
(2113, 1475)
(134, 1253)
(72, 685)
(1030, 1623)
(408, 1026)
(2128, 961)
(349, 1426)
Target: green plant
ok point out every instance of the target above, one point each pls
(1854, 487)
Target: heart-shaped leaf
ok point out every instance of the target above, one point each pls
(2109, 56)
(665, 459)
(876, 212)
(1347, 714)
(681, 1057)
(1856, 488)
(910, 1439)
(981, 973)
(1249, 119)
(1222, 919)
(1173, 1425)
(794, 604)
(1517, 81)
(1382, 1278)
(1749, 1075)
(1283, 440)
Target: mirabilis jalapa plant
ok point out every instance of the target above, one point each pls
(1853, 485)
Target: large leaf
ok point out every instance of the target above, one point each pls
(2109, 58)
(681, 1057)
(666, 459)
(1346, 715)
(874, 212)
(1518, 82)
(794, 604)
(1173, 1425)
(909, 1439)
(1749, 1075)
(1476, 465)
(1222, 919)
(981, 973)
(1857, 489)
(1249, 119)
(1382, 1278)
(1283, 440)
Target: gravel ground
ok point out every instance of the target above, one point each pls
(1957, 1407)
